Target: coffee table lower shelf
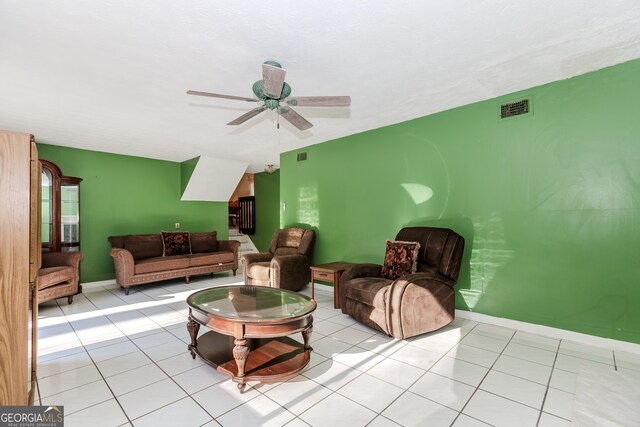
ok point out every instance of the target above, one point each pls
(269, 359)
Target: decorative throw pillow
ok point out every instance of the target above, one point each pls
(401, 258)
(175, 243)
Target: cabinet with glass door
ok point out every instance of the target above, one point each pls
(60, 210)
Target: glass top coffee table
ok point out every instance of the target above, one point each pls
(249, 331)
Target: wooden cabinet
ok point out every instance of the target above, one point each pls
(20, 257)
(60, 210)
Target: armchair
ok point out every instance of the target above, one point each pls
(414, 303)
(58, 276)
(287, 263)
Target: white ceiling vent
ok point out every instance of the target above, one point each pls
(515, 108)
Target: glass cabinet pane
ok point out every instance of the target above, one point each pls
(70, 213)
(47, 206)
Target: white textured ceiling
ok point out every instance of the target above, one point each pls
(111, 75)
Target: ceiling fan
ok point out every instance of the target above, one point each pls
(273, 92)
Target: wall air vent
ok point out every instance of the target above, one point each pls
(515, 108)
(302, 156)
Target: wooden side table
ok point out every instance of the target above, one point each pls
(331, 273)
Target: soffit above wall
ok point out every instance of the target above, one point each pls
(214, 180)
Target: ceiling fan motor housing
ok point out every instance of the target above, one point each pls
(270, 103)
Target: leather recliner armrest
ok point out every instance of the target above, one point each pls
(424, 295)
(256, 257)
(288, 269)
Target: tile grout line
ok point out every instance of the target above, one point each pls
(546, 391)
(335, 315)
(159, 367)
(94, 364)
(152, 361)
(405, 389)
(484, 377)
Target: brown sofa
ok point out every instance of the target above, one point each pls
(287, 263)
(138, 259)
(412, 304)
(59, 276)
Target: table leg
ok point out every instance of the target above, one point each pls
(306, 335)
(336, 289)
(313, 288)
(240, 354)
(193, 327)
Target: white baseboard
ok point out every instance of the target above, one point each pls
(98, 284)
(551, 332)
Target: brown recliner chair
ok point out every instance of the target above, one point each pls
(412, 304)
(287, 263)
(59, 276)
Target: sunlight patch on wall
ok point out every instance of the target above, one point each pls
(418, 192)
(471, 297)
(308, 209)
(489, 252)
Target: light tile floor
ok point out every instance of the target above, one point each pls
(118, 360)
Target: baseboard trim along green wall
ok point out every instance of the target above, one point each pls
(128, 195)
(549, 203)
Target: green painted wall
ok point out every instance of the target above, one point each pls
(266, 188)
(128, 195)
(549, 203)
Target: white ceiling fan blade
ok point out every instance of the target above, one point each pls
(246, 116)
(294, 118)
(273, 78)
(320, 101)
(217, 95)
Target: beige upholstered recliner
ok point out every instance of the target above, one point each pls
(287, 263)
(414, 303)
(59, 276)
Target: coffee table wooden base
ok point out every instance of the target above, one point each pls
(267, 359)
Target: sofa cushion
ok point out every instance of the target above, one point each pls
(175, 243)
(401, 258)
(51, 276)
(196, 260)
(204, 242)
(154, 265)
(371, 291)
(116, 241)
(143, 246)
(259, 270)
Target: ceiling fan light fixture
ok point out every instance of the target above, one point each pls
(270, 169)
